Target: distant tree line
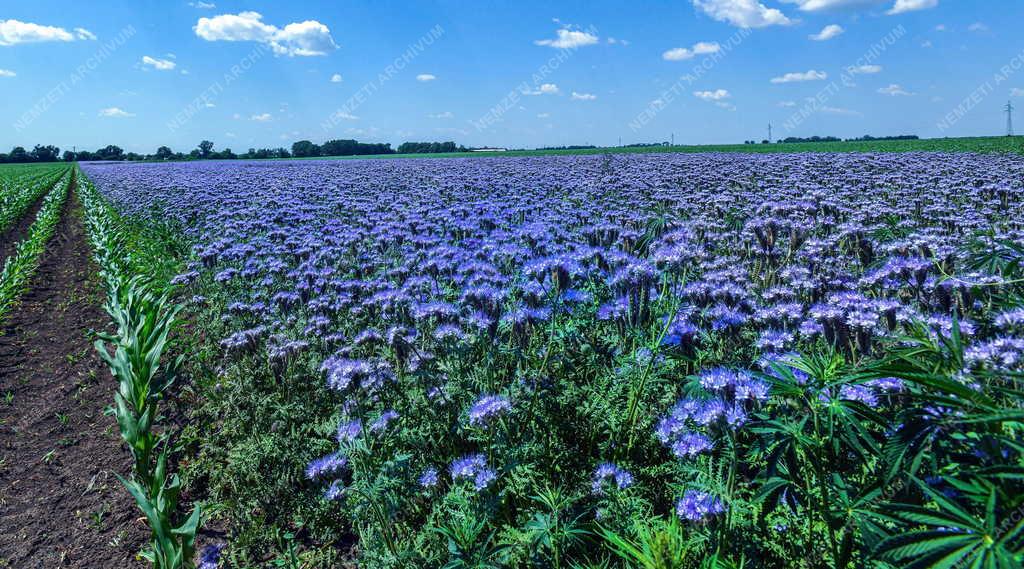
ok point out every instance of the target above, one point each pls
(19, 155)
(865, 138)
(307, 149)
(572, 147)
(205, 151)
(429, 147)
(868, 138)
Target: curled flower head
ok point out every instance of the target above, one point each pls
(473, 467)
(326, 465)
(429, 478)
(607, 472)
(696, 505)
(487, 408)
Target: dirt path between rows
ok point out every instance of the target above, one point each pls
(19, 229)
(60, 503)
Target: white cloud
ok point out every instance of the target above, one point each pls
(828, 32)
(566, 38)
(787, 104)
(716, 95)
(84, 34)
(614, 41)
(1015, 92)
(811, 75)
(345, 116)
(977, 27)
(444, 115)
(699, 48)
(865, 69)
(894, 90)
(926, 44)
(840, 111)
(940, 28)
(115, 112)
(743, 13)
(13, 32)
(903, 6)
(545, 89)
(424, 77)
(821, 5)
(159, 64)
(336, 78)
(296, 39)
(7, 73)
(202, 5)
(583, 96)
(543, 115)
(264, 117)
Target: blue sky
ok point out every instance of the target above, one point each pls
(154, 72)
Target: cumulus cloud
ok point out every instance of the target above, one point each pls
(1015, 92)
(716, 95)
(424, 77)
(114, 112)
(828, 32)
(894, 90)
(13, 32)
(7, 73)
(699, 48)
(336, 78)
(159, 64)
(583, 96)
(822, 5)
(444, 115)
(811, 75)
(545, 89)
(84, 34)
(865, 69)
(903, 6)
(263, 117)
(977, 27)
(567, 38)
(202, 5)
(307, 38)
(743, 13)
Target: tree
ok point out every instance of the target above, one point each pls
(305, 149)
(69, 156)
(19, 155)
(110, 152)
(48, 153)
(164, 153)
(205, 149)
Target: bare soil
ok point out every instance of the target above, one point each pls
(61, 504)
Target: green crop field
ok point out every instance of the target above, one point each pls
(988, 144)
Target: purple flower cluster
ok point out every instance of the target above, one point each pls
(696, 506)
(473, 467)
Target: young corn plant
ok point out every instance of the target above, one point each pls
(144, 321)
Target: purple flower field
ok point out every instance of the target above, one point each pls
(767, 357)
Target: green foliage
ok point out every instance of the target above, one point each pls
(144, 320)
(22, 264)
